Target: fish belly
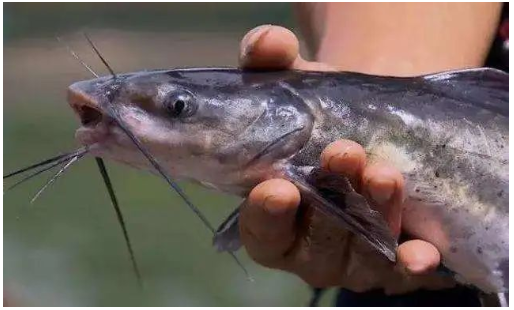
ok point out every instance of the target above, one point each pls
(458, 202)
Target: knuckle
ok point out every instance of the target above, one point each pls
(338, 156)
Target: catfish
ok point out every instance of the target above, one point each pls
(230, 129)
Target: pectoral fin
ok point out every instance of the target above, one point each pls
(334, 195)
(227, 234)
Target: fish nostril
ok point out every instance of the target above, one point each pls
(89, 116)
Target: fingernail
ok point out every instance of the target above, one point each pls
(268, 204)
(251, 38)
(346, 158)
(381, 191)
(339, 163)
(275, 207)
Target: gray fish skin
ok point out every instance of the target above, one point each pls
(447, 133)
(452, 150)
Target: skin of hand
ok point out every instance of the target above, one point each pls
(400, 39)
(314, 247)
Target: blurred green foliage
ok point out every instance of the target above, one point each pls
(45, 19)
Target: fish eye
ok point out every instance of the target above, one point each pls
(180, 104)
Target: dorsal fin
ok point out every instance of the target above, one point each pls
(484, 87)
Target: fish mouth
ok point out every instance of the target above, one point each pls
(86, 108)
(91, 116)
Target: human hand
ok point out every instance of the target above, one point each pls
(315, 247)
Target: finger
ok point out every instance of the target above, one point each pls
(418, 257)
(267, 221)
(302, 64)
(345, 157)
(383, 185)
(269, 47)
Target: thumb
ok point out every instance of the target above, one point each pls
(269, 47)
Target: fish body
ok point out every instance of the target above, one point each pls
(451, 145)
(230, 130)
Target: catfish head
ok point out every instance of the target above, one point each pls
(225, 128)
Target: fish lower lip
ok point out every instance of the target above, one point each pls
(88, 136)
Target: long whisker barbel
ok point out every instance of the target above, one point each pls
(100, 55)
(36, 173)
(45, 162)
(159, 169)
(119, 214)
(77, 57)
(114, 114)
(65, 167)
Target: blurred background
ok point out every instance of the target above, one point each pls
(67, 249)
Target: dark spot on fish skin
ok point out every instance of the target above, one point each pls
(479, 250)
(437, 174)
(174, 74)
(504, 267)
(417, 190)
(453, 249)
(500, 193)
(487, 228)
